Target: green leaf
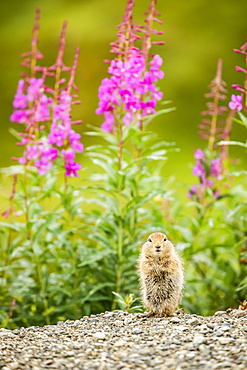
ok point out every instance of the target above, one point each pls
(107, 167)
(150, 117)
(15, 133)
(17, 226)
(237, 143)
(156, 157)
(96, 289)
(237, 173)
(165, 102)
(37, 248)
(104, 135)
(236, 210)
(180, 247)
(243, 118)
(94, 257)
(186, 233)
(12, 170)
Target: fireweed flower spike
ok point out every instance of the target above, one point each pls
(152, 16)
(207, 170)
(130, 93)
(237, 103)
(61, 134)
(126, 34)
(125, 89)
(211, 128)
(32, 106)
(242, 88)
(35, 110)
(212, 164)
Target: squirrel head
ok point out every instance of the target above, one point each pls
(158, 245)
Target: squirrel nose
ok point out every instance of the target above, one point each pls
(158, 247)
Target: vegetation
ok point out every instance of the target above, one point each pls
(70, 247)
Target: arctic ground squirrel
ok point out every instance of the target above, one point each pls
(161, 276)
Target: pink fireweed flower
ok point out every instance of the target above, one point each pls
(206, 177)
(192, 191)
(199, 154)
(20, 116)
(236, 103)
(216, 194)
(61, 132)
(72, 168)
(69, 155)
(31, 153)
(207, 173)
(210, 183)
(41, 155)
(61, 112)
(74, 141)
(47, 156)
(43, 165)
(199, 171)
(130, 89)
(109, 122)
(57, 135)
(216, 168)
(70, 165)
(20, 100)
(34, 106)
(42, 114)
(35, 89)
(63, 136)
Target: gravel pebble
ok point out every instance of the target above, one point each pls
(118, 340)
(99, 335)
(194, 321)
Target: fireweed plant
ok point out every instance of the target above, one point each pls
(69, 250)
(39, 248)
(214, 240)
(212, 163)
(130, 163)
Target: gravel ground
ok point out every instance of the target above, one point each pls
(118, 340)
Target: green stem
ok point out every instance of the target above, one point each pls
(45, 302)
(201, 215)
(213, 123)
(120, 228)
(65, 182)
(76, 277)
(120, 153)
(120, 255)
(216, 103)
(26, 204)
(119, 266)
(7, 256)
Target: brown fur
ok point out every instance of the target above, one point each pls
(161, 275)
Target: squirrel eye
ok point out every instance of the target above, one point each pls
(149, 240)
(165, 239)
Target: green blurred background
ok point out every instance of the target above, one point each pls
(196, 33)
